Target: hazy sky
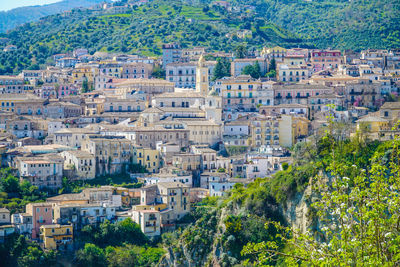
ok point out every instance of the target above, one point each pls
(10, 4)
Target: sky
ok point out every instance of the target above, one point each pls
(10, 4)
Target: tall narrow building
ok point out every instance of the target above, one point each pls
(202, 77)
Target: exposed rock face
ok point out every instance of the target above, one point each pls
(297, 210)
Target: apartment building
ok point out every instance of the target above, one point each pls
(23, 223)
(12, 85)
(187, 161)
(174, 194)
(149, 158)
(171, 53)
(298, 93)
(41, 171)
(56, 236)
(149, 221)
(292, 73)
(174, 132)
(136, 70)
(42, 214)
(112, 153)
(240, 92)
(203, 131)
(4, 216)
(72, 137)
(208, 157)
(81, 163)
(114, 104)
(80, 215)
(325, 59)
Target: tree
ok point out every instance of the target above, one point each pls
(272, 65)
(241, 51)
(253, 70)
(222, 69)
(85, 86)
(358, 214)
(158, 72)
(91, 256)
(35, 257)
(10, 184)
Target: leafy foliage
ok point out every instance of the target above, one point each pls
(15, 194)
(222, 69)
(357, 210)
(253, 70)
(16, 251)
(109, 234)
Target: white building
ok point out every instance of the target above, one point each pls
(41, 171)
(219, 188)
(22, 223)
(149, 221)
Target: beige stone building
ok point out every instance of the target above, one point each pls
(169, 132)
(112, 153)
(203, 131)
(81, 163)
(41, 171)
(72, 137)
(208, 157)
(149, 86)
(187, 161)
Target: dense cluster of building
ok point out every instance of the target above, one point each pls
(98, 115)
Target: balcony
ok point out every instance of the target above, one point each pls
(352, 92)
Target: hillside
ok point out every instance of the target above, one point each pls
(18, 16)
(343, 24)
(143, 30)
(337, 24)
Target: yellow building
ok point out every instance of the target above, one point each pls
(390, 111)
(202, 77)
(81, 73)
(126, 197)
(158, 207)
(291, 129)
(277, 131)
(149, 158)
(273, 52)
(55, 236)
(374, 127)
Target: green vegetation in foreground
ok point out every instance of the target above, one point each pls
(248, 222)
(350, 183)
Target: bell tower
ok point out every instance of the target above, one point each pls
(202, 77)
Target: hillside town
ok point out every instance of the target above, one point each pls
(177, 126)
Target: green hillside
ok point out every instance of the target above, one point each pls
(343, 24)
(357, 25)
(143, 30)
(15, 17)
